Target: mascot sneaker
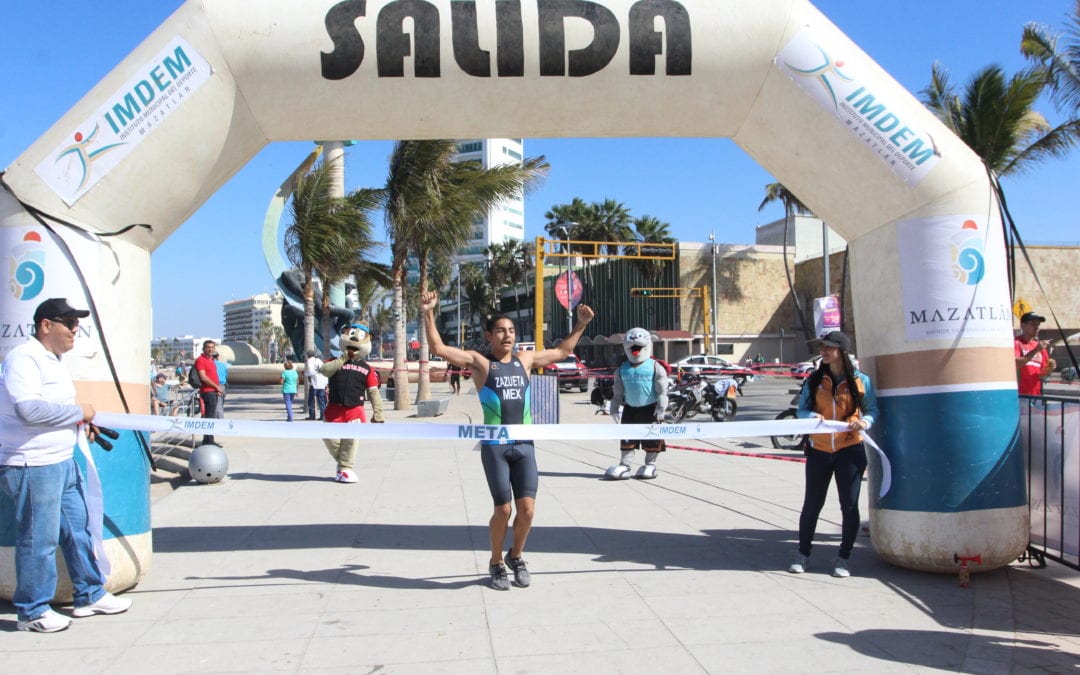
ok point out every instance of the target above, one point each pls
(618, 472)
(346, 476)
(646, 472)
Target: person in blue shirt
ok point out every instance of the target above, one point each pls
(223, 379)
(289, 381)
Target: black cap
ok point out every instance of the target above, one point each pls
(56, 308)
(1032, 316)
(836, 339)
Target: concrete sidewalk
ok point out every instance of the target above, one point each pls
(281, 569)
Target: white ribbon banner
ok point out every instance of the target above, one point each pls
(485, 432)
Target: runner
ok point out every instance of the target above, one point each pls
(502, 382)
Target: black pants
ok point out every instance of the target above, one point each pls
(847, 466)
(211, 404)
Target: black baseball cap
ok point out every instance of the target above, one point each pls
(57, 308)
(1032, 316)
(836, 339)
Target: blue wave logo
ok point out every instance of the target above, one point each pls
(969, 265)
(28, 268)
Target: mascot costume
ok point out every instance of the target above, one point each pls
(351, 378)
(641, 384)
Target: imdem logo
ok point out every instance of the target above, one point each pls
(26, 267)
(81, 156)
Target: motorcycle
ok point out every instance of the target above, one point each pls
(720, 397)
(697, 395)
(790, 441)
(684, 399)
(602, 392)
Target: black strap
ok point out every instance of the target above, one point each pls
(40, 217)
(1012, 231)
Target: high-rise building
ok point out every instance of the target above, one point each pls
(244, 318)
(505, 221)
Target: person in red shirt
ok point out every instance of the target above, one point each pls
(1033, 361)
(210, 389)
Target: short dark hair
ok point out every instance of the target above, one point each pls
(208, 342)
(489, 325)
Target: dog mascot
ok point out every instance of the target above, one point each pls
(641, 392)
(351, 378)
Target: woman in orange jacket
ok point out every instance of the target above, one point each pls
(836, 390)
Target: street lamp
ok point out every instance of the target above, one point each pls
(457, 266)
(715, 315)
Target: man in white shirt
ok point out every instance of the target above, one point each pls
(315, 385)
(39, 421)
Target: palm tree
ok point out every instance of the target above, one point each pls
(322, 226)
(431, 205)
(1062, 66)
(264, 336)
(996, 118)
(776, 192)
(478, 293)
(612, 224)
(351, 258)
(509, 264)
(649, 229)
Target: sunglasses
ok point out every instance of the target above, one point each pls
(70, 322)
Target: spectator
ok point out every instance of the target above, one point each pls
(315, 385)
(210, 390)
(39, 422)
(159, 399)
(223, 379)
(1033, 361)
(289, 380)
(454, 371)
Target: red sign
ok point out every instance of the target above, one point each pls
(568, 289)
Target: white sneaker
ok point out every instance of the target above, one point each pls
(798, 565)
(49, 622)
(107, 604)
(346, 476)
(840, 569)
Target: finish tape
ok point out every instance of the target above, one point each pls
(484, 432)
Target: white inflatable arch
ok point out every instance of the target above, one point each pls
(222, 78)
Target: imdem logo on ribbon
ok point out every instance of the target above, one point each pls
(156, 90)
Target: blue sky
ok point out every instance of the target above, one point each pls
(53, 52)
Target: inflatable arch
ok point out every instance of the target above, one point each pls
(222, 78)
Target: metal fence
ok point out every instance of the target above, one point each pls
(544, 390)
(1050, 433)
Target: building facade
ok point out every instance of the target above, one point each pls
(244, 318)
(505, 221)
(169, 351)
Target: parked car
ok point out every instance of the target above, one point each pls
(709, 365)
(571, 372)
(806, 367)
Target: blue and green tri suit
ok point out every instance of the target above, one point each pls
(510, 466)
